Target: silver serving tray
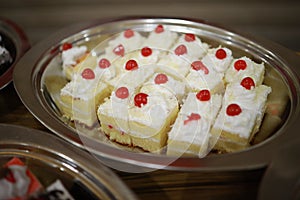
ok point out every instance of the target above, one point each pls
(33, 69)
(50, 158)
(16, 42)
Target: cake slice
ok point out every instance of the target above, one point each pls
(72, 56)
(245, 67)
(208, 73)
(241, 114)
(113, 115)
(81, 96)
(153, 111)
(191, 132)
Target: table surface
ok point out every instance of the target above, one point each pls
(277, 22)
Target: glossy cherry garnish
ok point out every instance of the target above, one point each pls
(189, 37)
(180, 50)
(240, 65)
(88, 74)
(198, 65)
(161, 79)
(104, 63)
(140, 99)
(122, 92)
(203, 95)
(131, 65)
(247, 83)
(66, 46)
(233, 109)
(159, 29)
(192, 117)
(119, 50)
(221, 54)
(146, 51)
(128, 33)
(110, 126)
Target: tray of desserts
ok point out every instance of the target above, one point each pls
(13, 44)
(43, 166)
(162, 92)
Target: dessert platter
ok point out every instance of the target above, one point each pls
(13, 44)
(36, 169)
(162, 92)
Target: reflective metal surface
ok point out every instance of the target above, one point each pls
(16, 42)
(31, 74)
(51, 158)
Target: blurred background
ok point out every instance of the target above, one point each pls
(274, 20)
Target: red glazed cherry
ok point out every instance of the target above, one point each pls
(146, 51)
(203, 95)
(131, 65)
(104, 63)
(198, 65)
(119, 50)
(159, 29)
(233, 109)
(128, 33)
(240, 65)
(189, 37)
(248, 83)
(66, 46)
(192, 117)
(140, 99)
(110, 126)
(180, 50)
(161, 79)
(88, 74)
(122, 92)
(221, 54)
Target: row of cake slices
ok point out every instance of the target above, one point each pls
(137, 95)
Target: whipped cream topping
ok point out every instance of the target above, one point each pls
(176, 65)
(219, 65)
(162, 40)
(207, 109)
(128, 43)
(83, 89)
(160, 103)
(178, 88)
(196, 48)
(253, 70)
(199, 79)
(252, 103)
(70, 56)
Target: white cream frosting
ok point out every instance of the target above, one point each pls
(253, 70)
(252, 103)
(70, 56)
(129, 44)
(83, 89)
(178, 88)
(196, 49)
(133, 78)
(207, 109)
(176, 65)
(219, 65)
(212, 81)
(158, 108)
(163, 40)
